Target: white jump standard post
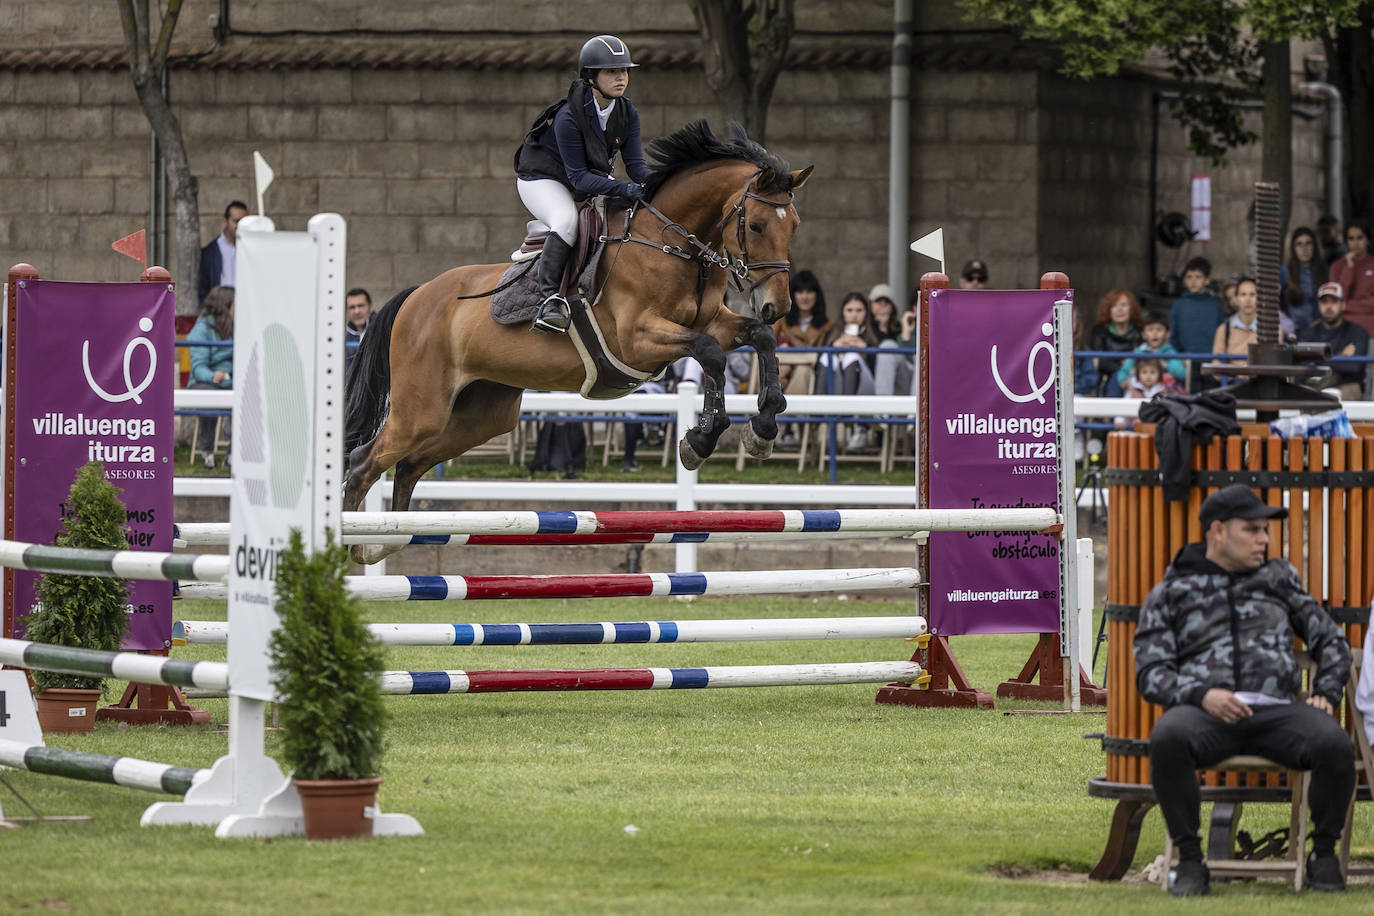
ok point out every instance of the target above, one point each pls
(288, 456)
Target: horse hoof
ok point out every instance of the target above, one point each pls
(688, 455)
(754, 446)
(367, 554)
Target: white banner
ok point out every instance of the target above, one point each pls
(280, 352)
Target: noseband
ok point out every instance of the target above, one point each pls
(738, 268)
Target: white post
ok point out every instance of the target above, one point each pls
(1083, 633)
(1068, 508)
(288, 444)
(685, 555)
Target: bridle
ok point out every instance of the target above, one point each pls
(738, 268)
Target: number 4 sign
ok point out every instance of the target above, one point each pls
(18, 715)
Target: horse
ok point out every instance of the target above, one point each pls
(435, 375)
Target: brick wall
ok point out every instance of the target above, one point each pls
(1029, 172)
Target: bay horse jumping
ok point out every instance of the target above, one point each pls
(435, 376)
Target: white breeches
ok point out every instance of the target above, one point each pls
(552, 202)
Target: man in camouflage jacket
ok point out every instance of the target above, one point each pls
(1215, 646)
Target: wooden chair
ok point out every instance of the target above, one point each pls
(220, 443)
(1364, 760)
(1294, 865)
(788, 452)
(613, 441)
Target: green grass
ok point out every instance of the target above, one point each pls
(775, 800)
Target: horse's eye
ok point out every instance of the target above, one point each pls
(756, 228)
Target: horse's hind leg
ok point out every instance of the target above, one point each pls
(700, 441)
(762, 428)
(483, 411)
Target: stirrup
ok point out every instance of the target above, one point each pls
(553, 317)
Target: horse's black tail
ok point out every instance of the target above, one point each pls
(368, 385)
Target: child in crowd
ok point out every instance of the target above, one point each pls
(1155, 334)
(1195, 316)
(1148, 380)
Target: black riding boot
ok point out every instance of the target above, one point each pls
(553, 314)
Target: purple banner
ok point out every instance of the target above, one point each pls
(992, 445)
(95, 369)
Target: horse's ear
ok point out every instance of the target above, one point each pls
(765, 178)
(799, 178)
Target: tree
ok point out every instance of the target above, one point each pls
(1219, 51)
(744, 48)
(147, 63)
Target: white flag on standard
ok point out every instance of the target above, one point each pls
(262, 177)
(932, 245)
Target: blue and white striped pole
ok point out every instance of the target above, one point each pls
(216, 632)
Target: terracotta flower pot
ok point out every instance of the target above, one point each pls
(334, 809)
(62, 709)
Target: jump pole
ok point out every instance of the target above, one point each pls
(564, 680)
(609, 585)
(644, 525)
(216, 632)
(129, 772)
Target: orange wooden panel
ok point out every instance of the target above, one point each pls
(1337, 541)
(1296, 514)
(1356, 575)
(1316, 523)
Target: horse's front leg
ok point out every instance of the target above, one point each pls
(700, 441)
(762, 428)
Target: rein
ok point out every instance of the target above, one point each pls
(738, 270)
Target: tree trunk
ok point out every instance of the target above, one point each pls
(742, 58)
(185, 195)
(1276, 162)
(1351, 57)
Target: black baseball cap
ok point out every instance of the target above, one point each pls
(1236, 501)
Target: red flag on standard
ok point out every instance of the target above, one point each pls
(134, 246)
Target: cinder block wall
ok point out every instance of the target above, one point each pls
(1027, 171)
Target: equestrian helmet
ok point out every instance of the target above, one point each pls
(604, 52)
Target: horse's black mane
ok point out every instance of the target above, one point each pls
(695, 143)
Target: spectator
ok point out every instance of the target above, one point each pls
(1086, 378)
(1355, 273)
(1155, 336)
(358, 308)
(891, 372)
(1118, 329)
(1147, 380)
(1300, 277)
(1235, 335)
(1195, 315)
(1228, 295)
(848, 373)
(974, 275)
(213, 367)
(217, 259)
(803, 326)
(1345, 338)
(851, 372)
(1214, 646)
(1329, 235)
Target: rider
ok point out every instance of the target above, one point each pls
(569, 155)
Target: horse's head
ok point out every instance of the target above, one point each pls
(757, 235)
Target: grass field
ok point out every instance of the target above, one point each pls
(772, 800)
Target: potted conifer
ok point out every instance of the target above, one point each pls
(326, 663)
(86, 612)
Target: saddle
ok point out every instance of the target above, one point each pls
(518, 299)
